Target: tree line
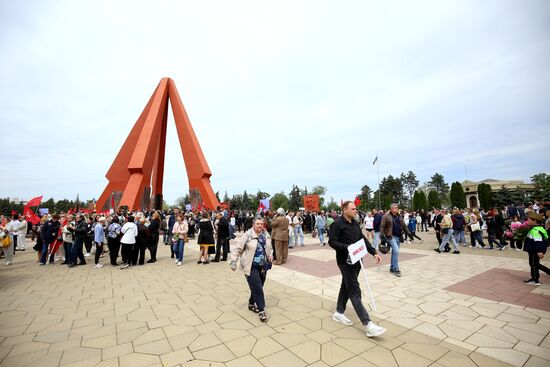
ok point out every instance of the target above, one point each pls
(404, 190)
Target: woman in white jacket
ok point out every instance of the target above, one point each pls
(129, 233)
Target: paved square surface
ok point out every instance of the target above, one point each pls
(195, 315)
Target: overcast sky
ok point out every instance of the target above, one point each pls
(278, 92)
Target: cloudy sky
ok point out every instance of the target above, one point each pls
(278, 92)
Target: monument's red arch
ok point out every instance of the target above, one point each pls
(138, 169)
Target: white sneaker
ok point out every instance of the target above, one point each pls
(340, 317)
(374, 330)
(408, 241)
(125, 266)
(98, 266)
(178, 263)
(8, 262)
(87, 254)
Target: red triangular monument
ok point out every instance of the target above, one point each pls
(136, 175)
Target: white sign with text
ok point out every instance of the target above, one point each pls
(357, 250)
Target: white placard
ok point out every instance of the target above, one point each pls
(357, 250)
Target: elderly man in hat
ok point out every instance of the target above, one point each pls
(279, 233)
(535, 245)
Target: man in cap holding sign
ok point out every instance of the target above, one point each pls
(345, 231)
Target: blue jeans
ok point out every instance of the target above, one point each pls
(321, 232)
(459, 236)
(448, 237)
(394, 242)
(298, 234)
(179, 249)
(376, 239)
(44, 254)
(256, 281)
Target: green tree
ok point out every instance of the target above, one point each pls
(391, 187)
(485, 195)
(225, 197)
(503, 197)
(295, 199)
(365, 197)
(333, 205)
(236, 202)
(64, 206)
(458, 198)
(279, 200)
(246, 202)
(320, 190)
(541, 181)
(50, 204)
(409, 182)
(437, 183)
(419, 200)
(433, 200)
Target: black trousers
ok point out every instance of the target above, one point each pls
(153, 247)
(350, 290)
(127, 251)
(88, 244)
(98, 251)
(114, 247)
(139, 250)
(534, 263)
(256, 281)
(222, 244)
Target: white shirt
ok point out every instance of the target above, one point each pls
(15, 227)
(22, 228)
(418, 219)
(369, 222)
(130, 233)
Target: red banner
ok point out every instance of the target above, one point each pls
(311, 203)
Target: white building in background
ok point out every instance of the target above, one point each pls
(470, 189)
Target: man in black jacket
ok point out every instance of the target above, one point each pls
(223, 238)
(346, 231)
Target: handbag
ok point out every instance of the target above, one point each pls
(6, 242)
(475, 227)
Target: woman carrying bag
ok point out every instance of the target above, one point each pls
(255, 253)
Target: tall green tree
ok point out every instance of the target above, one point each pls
(410, 183)
(419, 200)
(458, 198)
(391, 187)
(365, 197)
(502, 197)
(433, 200)
(225, 197)
(279, 200)
(236, 202)
(437, 183)
(541, 181)
(295, 199)
(246, 202)
(485, 195)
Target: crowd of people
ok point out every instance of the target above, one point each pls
(127, 238)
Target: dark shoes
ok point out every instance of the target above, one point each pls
(437, 250)
(263, 316)
(253, 308)
(456, 252)
(215, 261)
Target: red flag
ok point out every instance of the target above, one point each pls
(357, 201)
(113, 202)
(34, 201)
(30, 216)
(13, 212)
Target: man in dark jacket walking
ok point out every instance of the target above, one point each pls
(392, 229)
(346, 231)
(223, 238)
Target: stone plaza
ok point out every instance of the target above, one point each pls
(471, 309)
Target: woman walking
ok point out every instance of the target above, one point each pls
(113, 239)
(180, 232)
(129, 233)
(206, 237)
(255, 253)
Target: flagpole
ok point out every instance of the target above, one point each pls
(379, 193)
